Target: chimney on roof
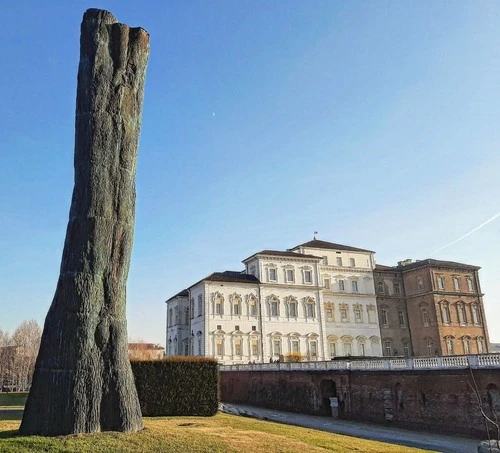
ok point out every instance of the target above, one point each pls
(405, 262)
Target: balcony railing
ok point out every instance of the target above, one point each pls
(483, 361)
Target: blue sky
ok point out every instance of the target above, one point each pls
(374, 123)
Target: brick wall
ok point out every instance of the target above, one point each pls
(439, 401)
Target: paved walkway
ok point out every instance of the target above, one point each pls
(425, 441)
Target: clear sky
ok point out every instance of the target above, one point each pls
(376, 124)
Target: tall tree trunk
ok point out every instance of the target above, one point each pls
(83, 381)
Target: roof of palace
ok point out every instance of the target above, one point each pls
(316, 243)
(284, 254)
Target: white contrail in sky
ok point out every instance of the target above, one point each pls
(468, 234)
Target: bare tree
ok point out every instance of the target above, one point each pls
(6, 361)
(26, 339)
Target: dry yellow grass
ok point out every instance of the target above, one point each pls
(222, 433)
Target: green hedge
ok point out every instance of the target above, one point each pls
(177, 386)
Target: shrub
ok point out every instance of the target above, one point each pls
(177, 386)
(294, 357)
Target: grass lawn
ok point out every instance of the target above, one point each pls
(222, 433)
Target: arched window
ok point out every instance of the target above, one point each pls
(310, 307)
(237, 346)
(450, 344)
(200, 305)
(332, 346)
(218, 304)
(254, 345)
(425, 315)
(219, 343)
(361, 345)
(358, 312)
(274, 306)
(344, 312)
(236, 305)
(295, 343)
(276, 344)
(252, 305)
(312, 346)
(445, 312)
(462, 315)
(466, 342)
(480, 345)
(292, 306)
(476, 319)
(199, 337)
(347, 345)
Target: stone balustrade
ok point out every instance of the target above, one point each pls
(484, 361)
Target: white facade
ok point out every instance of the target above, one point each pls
(304, 301)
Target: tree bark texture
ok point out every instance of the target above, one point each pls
(83, 381)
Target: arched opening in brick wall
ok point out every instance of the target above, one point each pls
(328, 390)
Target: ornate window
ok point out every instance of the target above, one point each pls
(361, 346)
(252, 305)
(470, 285)
(445, 312)
(276, 344)
(339, 261)
(218, 304)
(307, 276)
(397, 288)
(329, 311)
(191, 308)
(341, 285)
(380, 287)
(292, 306)
(332, 346)
(295, 343)
(352, 262)
(466, 342)
(450, 344)
(326, 283)
(462, 315)
(254, 345)
(420, 283)
(310, 305)
(235, 304)
(425, 315)
(290, 275)
(440, 282)
(358, 313)
(347, 345)
(456, 283)
(238, 346)
(273, 274)
(274, 306)
(312, 344)
(480, 345)
(475, 314)
(344, 312)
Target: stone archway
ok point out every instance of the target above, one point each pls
(328, 389)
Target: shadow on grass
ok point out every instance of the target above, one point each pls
(11, 414)
(9, 434)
